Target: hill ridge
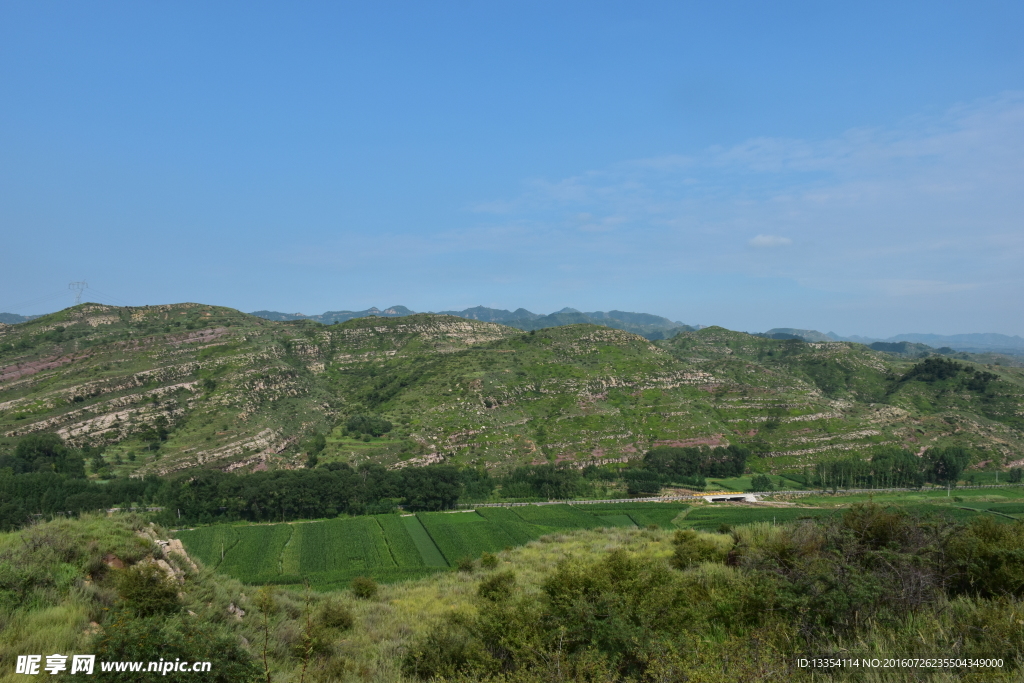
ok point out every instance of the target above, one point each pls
(172, 388)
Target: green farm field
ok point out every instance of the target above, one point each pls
(711, 518)
(391, 548)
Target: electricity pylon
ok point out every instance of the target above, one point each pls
(77, 288)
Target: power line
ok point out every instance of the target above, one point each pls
(32, 302)
(112, 298)
(77, 288)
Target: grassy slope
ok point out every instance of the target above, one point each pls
(242, 392)
(68, 586)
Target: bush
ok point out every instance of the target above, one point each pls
(692, 549)
(146, 591)
(333, 614)
(364, 587)
(178, 637)
(449, 649)
(488, 561)
(988, 558)
(761, 482)
(497, 587)
(465, 565)
(363, 424)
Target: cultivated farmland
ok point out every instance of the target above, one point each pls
(465, 534)
(392, 547)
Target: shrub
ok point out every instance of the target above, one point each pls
(691, 548)
(146, 591)
(178, 637)
(333, 614)
(488, 561)
(988, 558)
(364, 587)
(465, 564)
(497, 587)
(364, 424)
(449, 649)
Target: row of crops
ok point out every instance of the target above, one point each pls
(715, 518)
(392, 547)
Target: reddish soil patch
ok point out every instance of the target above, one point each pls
(199, 336)
(32, 367)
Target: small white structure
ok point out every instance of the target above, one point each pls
(730, 497)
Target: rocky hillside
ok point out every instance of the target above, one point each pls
(171, 388)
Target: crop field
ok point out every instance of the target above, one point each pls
(617, 520)
(465, 534)
(559, 517)
(392, 547)
(516, 527)
(960, 514)
(711, 517)
(258, 550)
(207, 543)
(968, 497)
(425, 545)
(642, 514)
(355, 544)
(400, 542)
(1011, 509)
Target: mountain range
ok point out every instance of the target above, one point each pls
(655, 327)
(645, 324)
(15, 319)
(180, 387)
(988, 342)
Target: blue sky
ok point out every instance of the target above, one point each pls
(856, 167)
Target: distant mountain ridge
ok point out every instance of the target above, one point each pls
(336, 316)
(15, 319)
(645, 324)
(652, 327)
(984, 342)
(793, 333)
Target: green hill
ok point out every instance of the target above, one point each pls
(177, 387)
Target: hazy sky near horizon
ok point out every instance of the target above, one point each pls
(854, 167)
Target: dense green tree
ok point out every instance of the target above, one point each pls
(947, 464)
(364, 424)
(44, 452)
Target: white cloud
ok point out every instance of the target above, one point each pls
(918, 200)
(769, 241)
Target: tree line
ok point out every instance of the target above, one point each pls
(890, 468)
(44, 478)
